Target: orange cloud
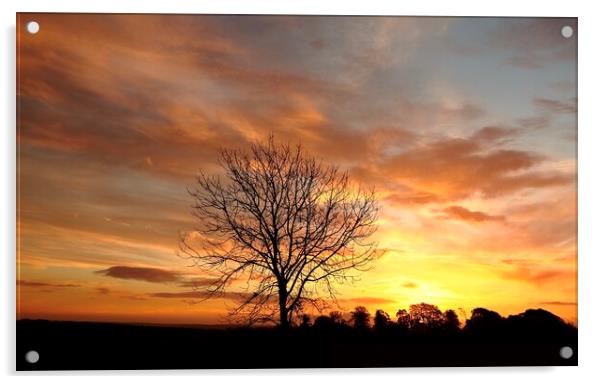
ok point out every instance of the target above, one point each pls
(540, 275)
(454, 168)
(456, 212)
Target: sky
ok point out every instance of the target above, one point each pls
(465, 127)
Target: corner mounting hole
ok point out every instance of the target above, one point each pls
(566, 352)
(566, 31)
(33, 27)
(32, 357)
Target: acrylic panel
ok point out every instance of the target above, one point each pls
(248, 191)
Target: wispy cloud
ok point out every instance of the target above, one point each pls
(44, 284)
(456, 212)
(563, 303)
(556, 106)
(151, 275)
(533, 43)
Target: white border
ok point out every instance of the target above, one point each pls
(590, 193)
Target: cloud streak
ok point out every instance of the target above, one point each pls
(41, 284)
(562, 303)
(556, 106)
(455, 212)
(151, 275)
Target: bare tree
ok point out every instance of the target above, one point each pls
(285, 223)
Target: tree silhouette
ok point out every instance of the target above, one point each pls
(451, 323)
(484, 321)
(332, 321)
(537, 323)
(403, 319)
(323, 322)
(360, 317)
(287, 224)
(425, 316)
(381, 320)
(337, 317)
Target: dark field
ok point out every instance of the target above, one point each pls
(80, 345)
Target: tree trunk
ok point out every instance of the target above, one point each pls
(284, 324)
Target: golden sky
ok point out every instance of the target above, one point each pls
(466, 127)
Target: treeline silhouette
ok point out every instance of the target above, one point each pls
(428, 320)
(423, 335)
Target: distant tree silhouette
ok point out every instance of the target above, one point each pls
(323, 322)
(286, 223)
(535, 318)
(484, 321)
(451, 323)
(381, 320)
(403, 319)
(331, 321)
(337, 318)
(537, 323)
(425, 317)
(360, 317)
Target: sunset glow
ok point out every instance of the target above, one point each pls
(467, 134)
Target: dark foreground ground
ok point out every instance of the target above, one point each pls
(78, 345)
